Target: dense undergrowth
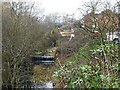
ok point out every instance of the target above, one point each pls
(88, 68)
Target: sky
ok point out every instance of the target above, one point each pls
(61, 6)
(64, 6)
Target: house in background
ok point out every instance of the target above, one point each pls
(104, 20)
(107, 22)
(113, 36)
(66, 30)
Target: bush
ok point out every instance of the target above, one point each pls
(80, 71)
(84, 76)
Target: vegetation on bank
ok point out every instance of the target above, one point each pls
(88, 60)
(87, 69)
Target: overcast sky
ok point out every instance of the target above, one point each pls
(62, 6)
(65, 6)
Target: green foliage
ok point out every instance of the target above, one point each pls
(79, 76)
(82, 56)
(80, 71)
(110, 49)
(84, 76)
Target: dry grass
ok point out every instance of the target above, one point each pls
(42, 73)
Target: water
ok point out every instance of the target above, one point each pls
(44, 85)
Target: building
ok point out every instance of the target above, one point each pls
(104, 20)
(66, 30)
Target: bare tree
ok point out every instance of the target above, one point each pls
(22, 35)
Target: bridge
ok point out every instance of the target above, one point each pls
(46, 60)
